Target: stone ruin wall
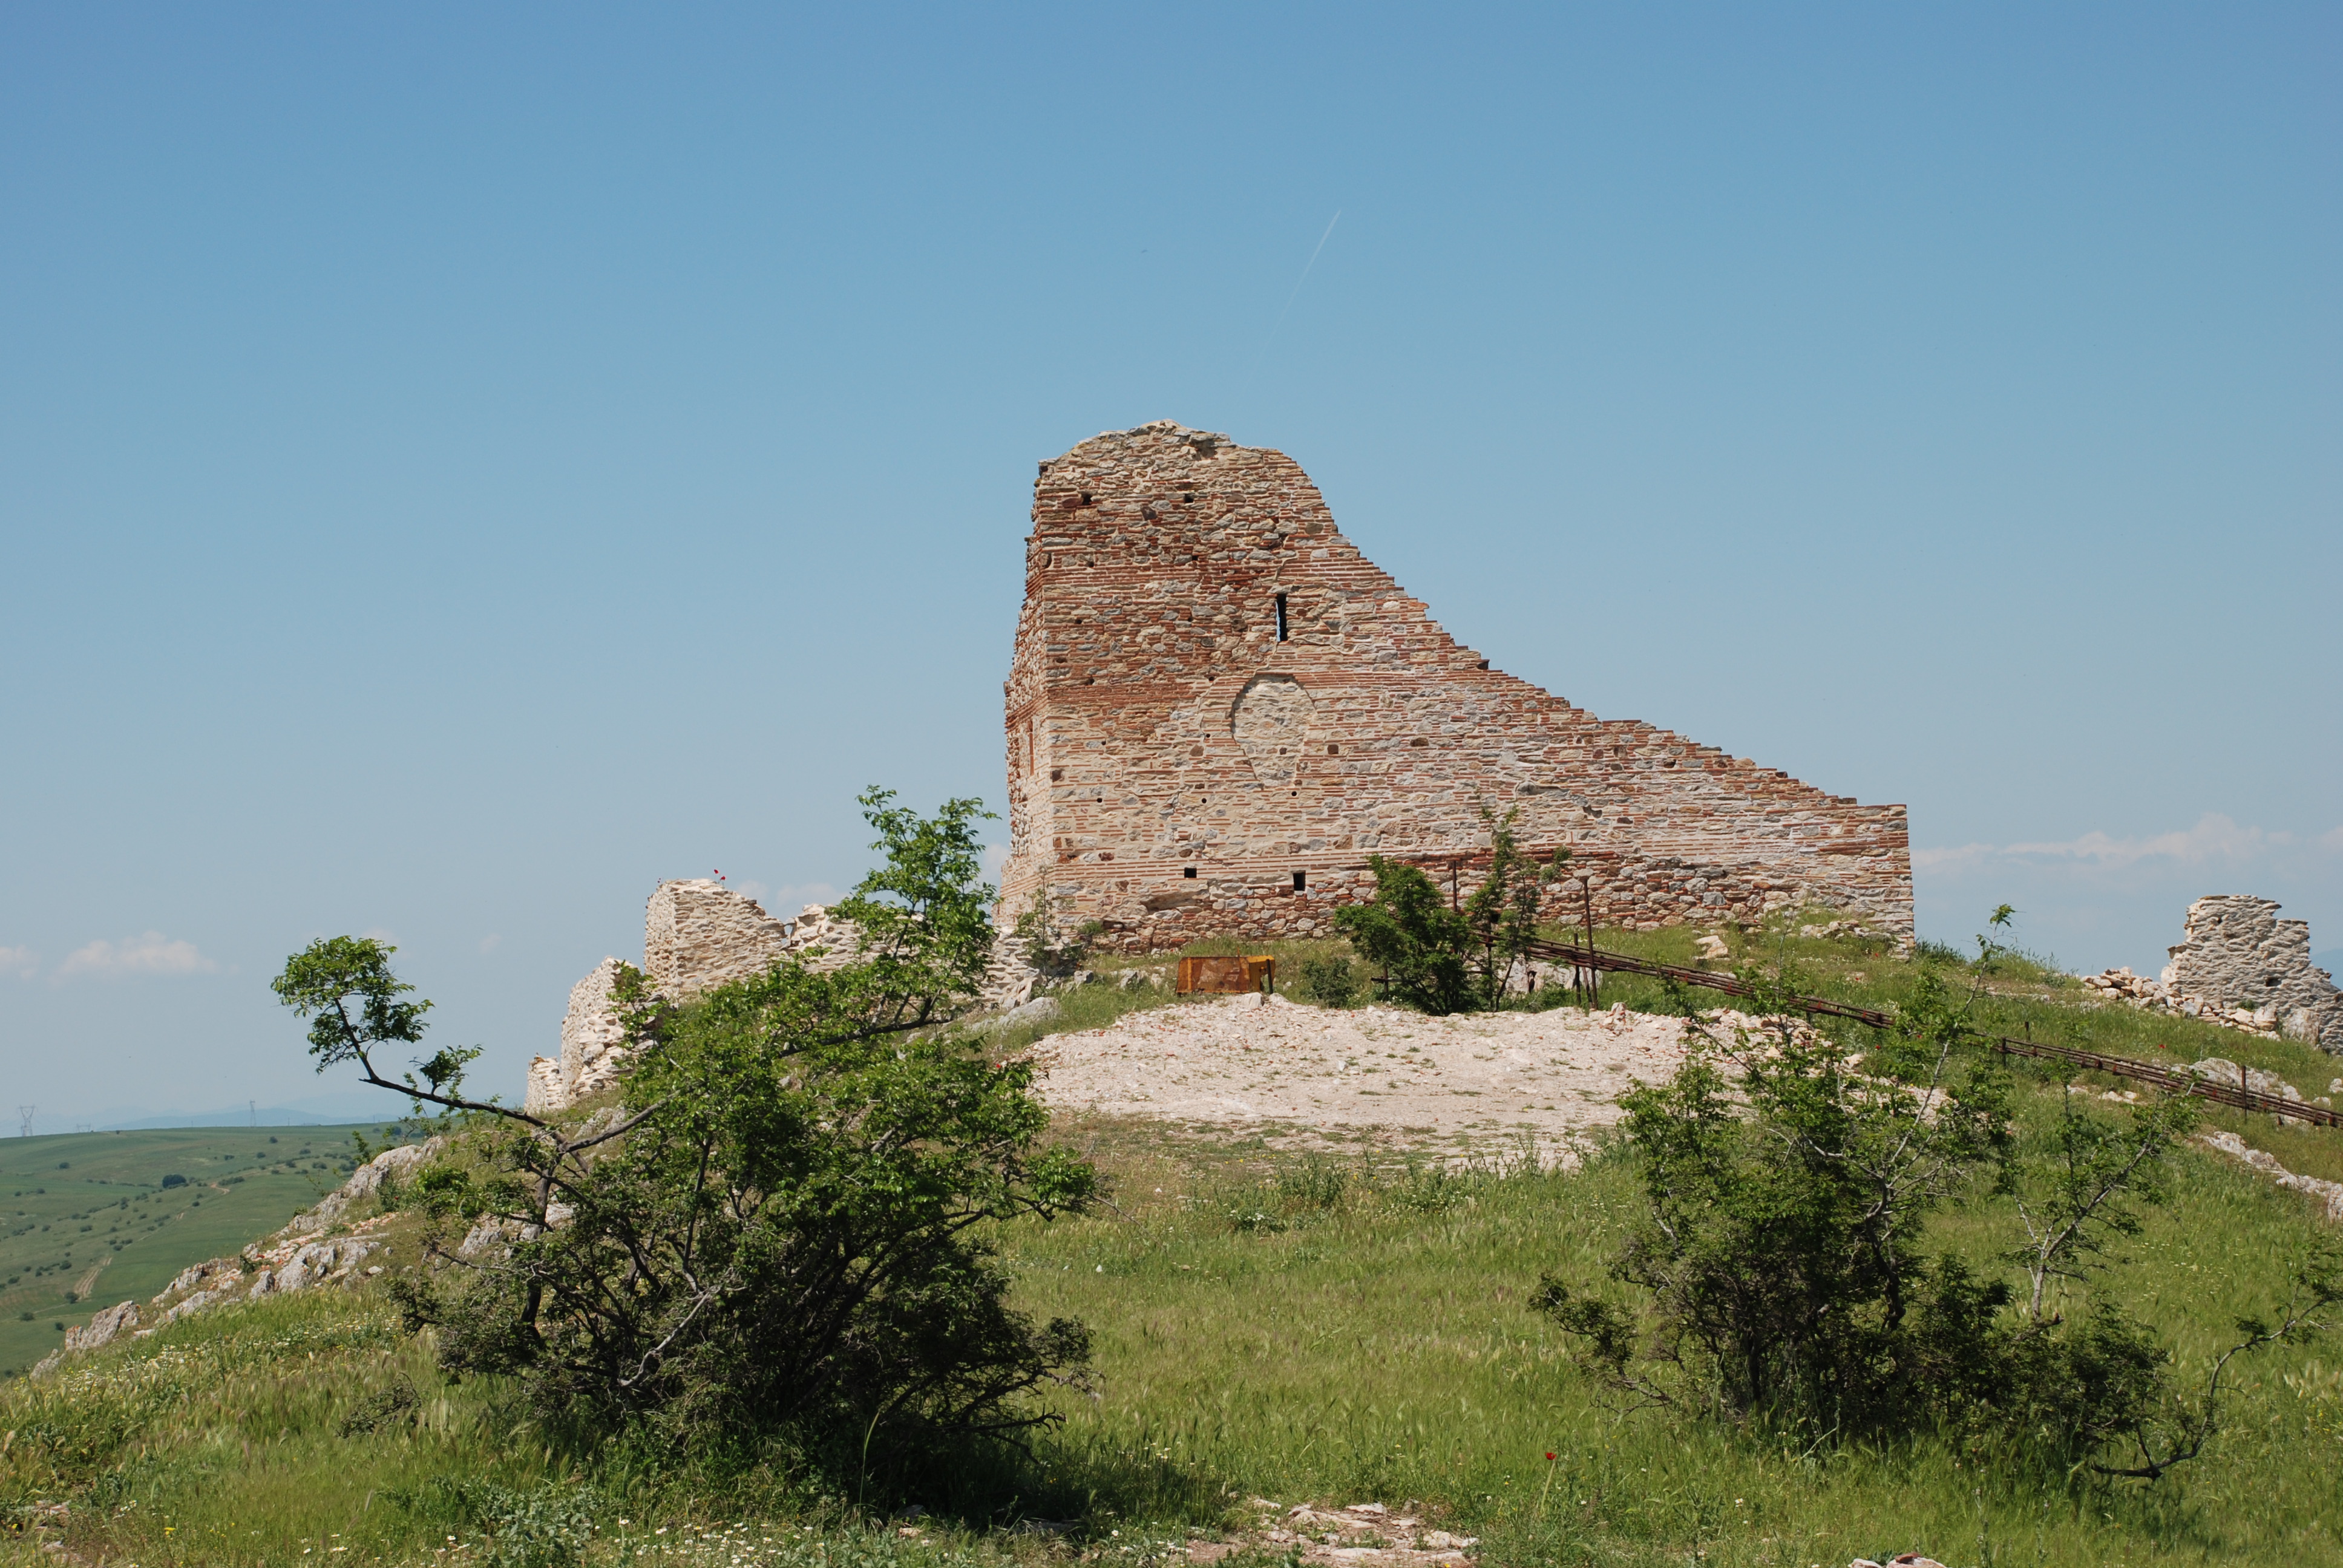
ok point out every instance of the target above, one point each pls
(1175, 763)
(697, 934)
(2235, 952)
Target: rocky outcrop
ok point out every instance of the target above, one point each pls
(366, 1181)
(102, 1328)
(2327, 1195)
(286, 1261)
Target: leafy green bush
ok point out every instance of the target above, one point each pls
(1780, 1274)
(1408, 930)
(1444, 960)
(1329, 980)
(781, 1247)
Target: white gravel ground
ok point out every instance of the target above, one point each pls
(1304, 1076)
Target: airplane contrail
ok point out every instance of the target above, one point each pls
(1289, 302)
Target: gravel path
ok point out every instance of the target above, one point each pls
(1307, 1076)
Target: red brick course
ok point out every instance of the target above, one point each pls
(1158, 725)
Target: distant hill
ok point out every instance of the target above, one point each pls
(332, 1108)
(266, 1116)
(91, 1214)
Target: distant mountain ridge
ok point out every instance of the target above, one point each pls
(346, 1106)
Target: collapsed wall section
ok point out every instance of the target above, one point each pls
(1217, 709)
(2235, 952)
(698, 934)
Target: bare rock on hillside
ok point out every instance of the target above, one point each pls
(364, 1183)
(1041, 1010)
(101, 1329)
(2221, 1070)
(2328, 1194)
(296, 1258)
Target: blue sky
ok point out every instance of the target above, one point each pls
(459, 465)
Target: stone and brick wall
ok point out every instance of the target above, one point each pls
(1217, 709)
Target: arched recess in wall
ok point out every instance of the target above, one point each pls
(1272, 720)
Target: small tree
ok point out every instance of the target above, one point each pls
(1502, 915)
(1445, 960)
(1782, 1277)
(1410, 932)
(1780, 1252)
(784, 1244)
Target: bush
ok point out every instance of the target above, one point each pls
(1780, 1280)
(1408, 930)
(1443, 959)
(174, 1180)
(782, 1252)
(1329, 981)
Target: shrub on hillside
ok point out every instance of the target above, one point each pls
(1329, 980)
(1778, 1276)
(1443, 960)
(780, 1244)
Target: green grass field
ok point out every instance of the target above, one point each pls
(1265, 1328)
(86, 1220)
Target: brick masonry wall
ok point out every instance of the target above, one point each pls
(1158, 725)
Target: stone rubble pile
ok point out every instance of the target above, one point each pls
(2153, 996)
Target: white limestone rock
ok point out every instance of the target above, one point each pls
(364, 1182)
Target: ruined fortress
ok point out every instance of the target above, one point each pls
(1217, 709)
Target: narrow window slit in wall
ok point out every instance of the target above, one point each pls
(1301, 881)
(1281, 617)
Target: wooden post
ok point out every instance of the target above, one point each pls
(1594, 981)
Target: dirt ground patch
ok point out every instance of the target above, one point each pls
(1305, 1077)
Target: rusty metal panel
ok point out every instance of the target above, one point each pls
(1226, 976)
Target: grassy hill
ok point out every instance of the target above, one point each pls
(86, 1220)
(1266, 1331)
